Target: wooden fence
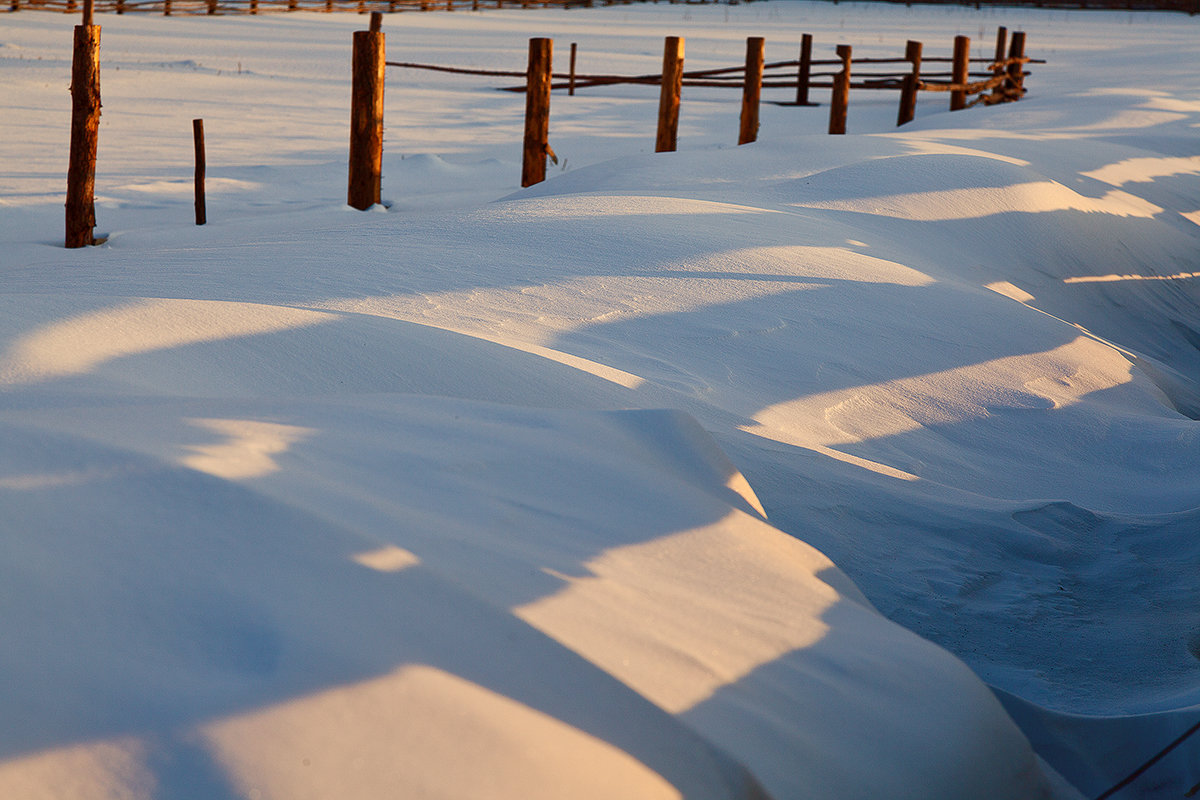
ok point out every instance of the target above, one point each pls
(995, 79)
(223, 7)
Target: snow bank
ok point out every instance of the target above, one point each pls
(443, 501)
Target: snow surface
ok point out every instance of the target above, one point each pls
(540, 493)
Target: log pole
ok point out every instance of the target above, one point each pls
(751, 90)
(537, 111)
(669, 97)
(198, 142)
(804, 74)
(366, 118)
(960, 76)
(841, 92)
(1016, 72)
(1001, 50)
(912, 84)
(85, 130)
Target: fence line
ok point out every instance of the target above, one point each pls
(1001, 79)
(992, 75)
(229, 7)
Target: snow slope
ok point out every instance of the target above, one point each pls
(552, 483)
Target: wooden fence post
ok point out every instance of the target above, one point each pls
(751, 90)
(668, 99)
(804, 75)
(961, 73)
(198, 143)
(912, 84)
(1001, 49)
(1016, 72)
(85, 129)
(212, 7)
(366, 116)
(841, 92)
(537, 111)
(571, 81)
(166, 8)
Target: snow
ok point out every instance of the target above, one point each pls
(838, 467)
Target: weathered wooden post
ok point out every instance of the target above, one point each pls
(841, 92)
(85, 129)
(212, 7)
(198, 142)
(1016, 72)
(804, 75)
(120, 7)
(571, 80)
(537, 111)
(253, 6)
(912, 84)
(751, 90)
(366, 116)
(166, 8)
(961, 74)
(668, 98)
(998, 70)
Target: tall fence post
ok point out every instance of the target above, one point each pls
(537, 111)
(804, 74)
(912, 84)
(751, 90)
(669, 96)
(841, 92)
(85, 129)
(961, 74)
(571, 79)
(1016, 72)
(366, 116)
(198, 142)
(998, 71)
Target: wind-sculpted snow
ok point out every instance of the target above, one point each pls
(646, 481)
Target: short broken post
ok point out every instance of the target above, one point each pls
(912, 84)
(537, 111)
(669, 96)
(751, 90)
(571, 78)
(198, 142)
(85, 129)
(804, 74)
(841, 92)
(961, 72)
(366, 116)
